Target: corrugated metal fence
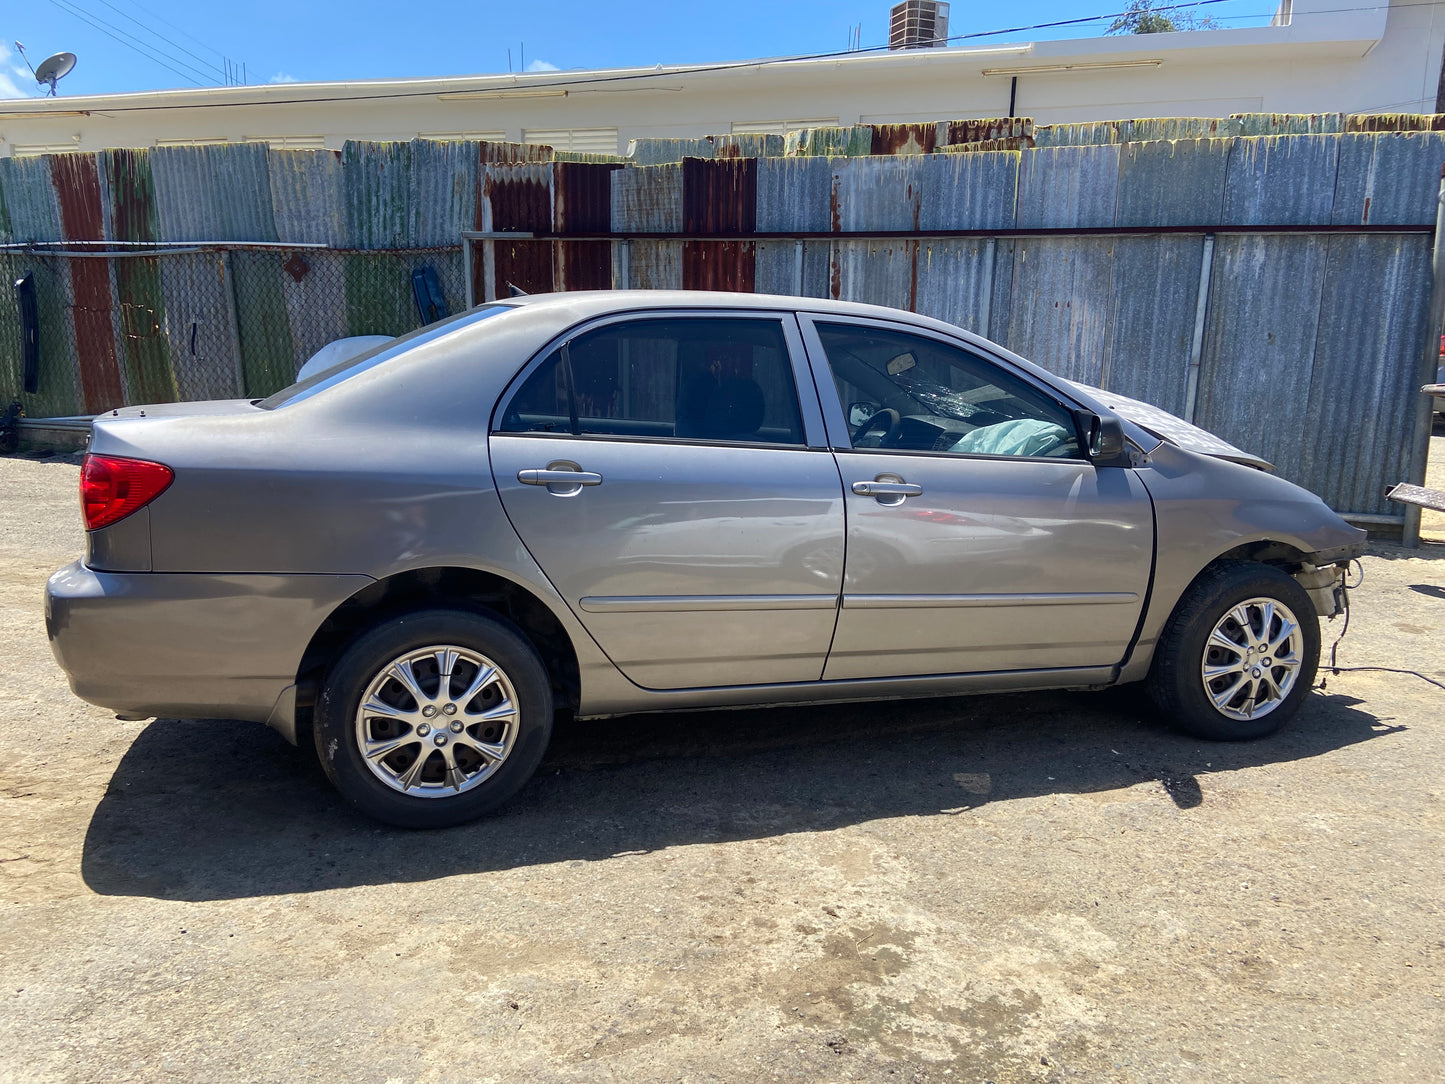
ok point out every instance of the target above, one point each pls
(1273, 287)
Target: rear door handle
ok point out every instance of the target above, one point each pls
(551, 477)
(560, 481)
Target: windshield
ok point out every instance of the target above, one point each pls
(349, 367)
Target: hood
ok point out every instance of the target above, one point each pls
(1172, 428)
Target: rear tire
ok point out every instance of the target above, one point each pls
(1239, 654)
(434, 718)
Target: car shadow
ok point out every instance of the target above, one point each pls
(207, 810)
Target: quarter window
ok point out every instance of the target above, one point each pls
(912, 393)
(690, 379)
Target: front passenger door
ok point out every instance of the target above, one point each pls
(980, 538)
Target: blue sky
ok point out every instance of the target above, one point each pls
(283, 41)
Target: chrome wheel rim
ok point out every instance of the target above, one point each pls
(1252, 658)
(437, 721)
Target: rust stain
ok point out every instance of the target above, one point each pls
(904, 138)
(518, 203)
(525, 264)
(1365, 220)
(991, 128)
(719, 265)
(76, 178)
(835, 274)
(835, 210)
(585, 265)
(719, 197)
(583, 202)
(510, 154)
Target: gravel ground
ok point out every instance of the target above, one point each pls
(1011, 888)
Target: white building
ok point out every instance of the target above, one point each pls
(1318, 56)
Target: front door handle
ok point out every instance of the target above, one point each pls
(888, 492)
(561, 481)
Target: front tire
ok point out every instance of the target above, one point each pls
(1238, 655)
(434, 718)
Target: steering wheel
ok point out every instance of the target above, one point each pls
(895, 426)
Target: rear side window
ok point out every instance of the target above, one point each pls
(695, 378)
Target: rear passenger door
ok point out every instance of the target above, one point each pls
(674, 485)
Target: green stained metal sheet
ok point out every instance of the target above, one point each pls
(150, 378)
(379, 297)
(847, 142)
(268, 361)
(58, 390)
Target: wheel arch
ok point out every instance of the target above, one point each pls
(448, 587)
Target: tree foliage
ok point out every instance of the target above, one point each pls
(1151, 17)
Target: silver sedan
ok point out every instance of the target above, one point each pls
(616, 502)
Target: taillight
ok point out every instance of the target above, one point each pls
(112, 487)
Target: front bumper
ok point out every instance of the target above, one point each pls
(193, 645)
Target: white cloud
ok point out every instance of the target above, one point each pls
(15, 78)
(282, 77)
(542, 66)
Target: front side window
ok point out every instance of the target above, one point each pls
(694, 378)
(912, 393)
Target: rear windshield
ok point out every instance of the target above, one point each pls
(346, 369)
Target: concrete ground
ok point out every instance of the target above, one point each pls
(1010, 888)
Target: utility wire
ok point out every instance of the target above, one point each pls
(131, 42)
(156, 33)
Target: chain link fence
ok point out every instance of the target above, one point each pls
(213, 322)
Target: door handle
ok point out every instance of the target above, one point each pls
(887, 489)
(553, 477)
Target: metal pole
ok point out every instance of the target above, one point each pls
(1424, 404)
(1196, 341)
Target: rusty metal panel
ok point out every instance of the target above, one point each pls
(515, 197)
(748, 145)
(1395, 122)
(1259, 345)
(149, 378)
(1264, 124)
(647, 199)
(650, 265)
(1154, 291)
(718, 265)
(660, 152)
(1281, 181)
(513, 153)
(527, 265)
(1373, 330)
(954, 132)
(584, 265)
(966, 191)
(830, 142)
(795, 195)
(31, 205)
(1068, 187)
(1173, 183)
(214, 193)
(1390, 179)
(76, 178)
(954, 282)
(1060, 305)
(719, 197)
(307, 196)
(582, 201)
(903, 139)
(408, 195)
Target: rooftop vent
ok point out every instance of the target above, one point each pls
(918, 24)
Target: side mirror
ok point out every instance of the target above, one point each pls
(858, 413)
(1103, 440)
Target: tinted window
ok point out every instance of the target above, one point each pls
(699, 378)
(914, 393)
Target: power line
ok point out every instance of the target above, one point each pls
(146, 50)
(158, 34)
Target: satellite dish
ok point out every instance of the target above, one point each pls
(54, 68)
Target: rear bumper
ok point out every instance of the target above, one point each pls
(186, 644)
